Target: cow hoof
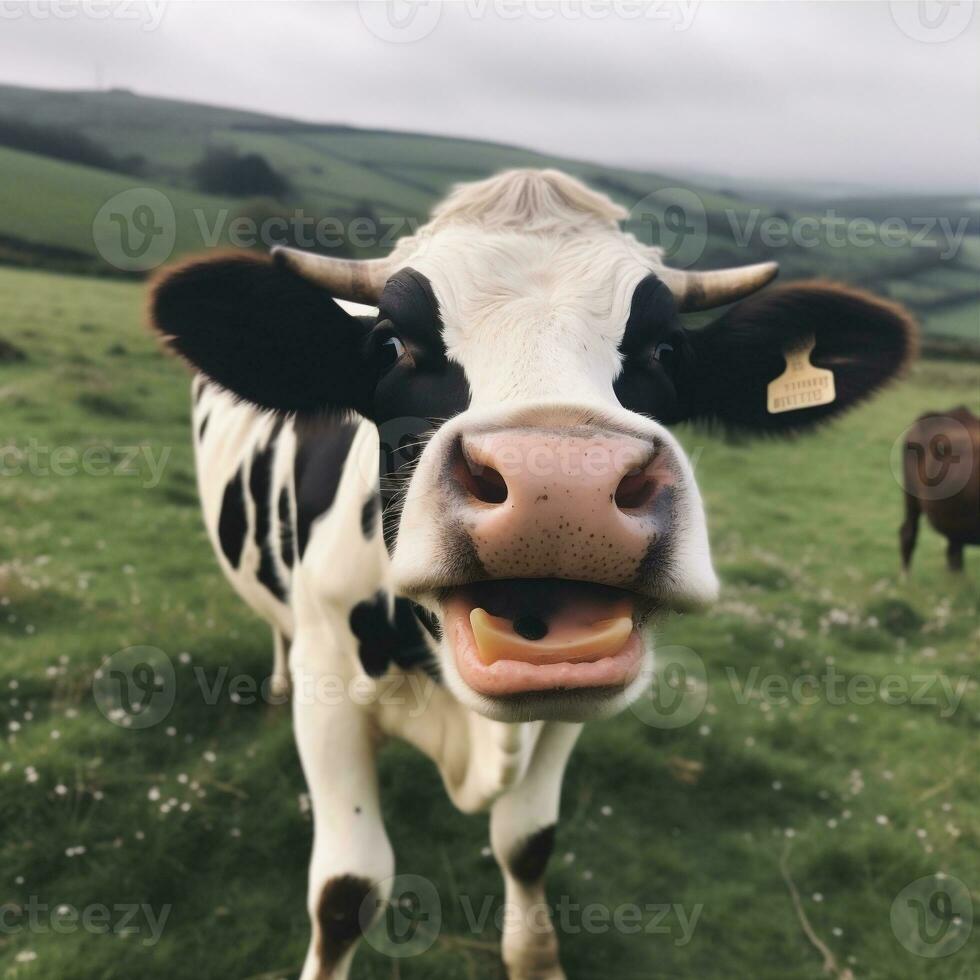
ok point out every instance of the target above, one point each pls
(536, 971)
(279, 688)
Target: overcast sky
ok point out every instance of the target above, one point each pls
(885, 95)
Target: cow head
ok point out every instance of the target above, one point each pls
(538, 354)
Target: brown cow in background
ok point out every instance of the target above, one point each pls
(942, 480)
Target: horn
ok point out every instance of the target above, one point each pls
(360, 281)
(704, 290)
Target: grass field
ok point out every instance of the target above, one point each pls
(201, 818)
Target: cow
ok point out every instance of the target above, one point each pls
(941, 478)
(454, 467)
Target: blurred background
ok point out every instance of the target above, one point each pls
(776, 834)
(840, 138)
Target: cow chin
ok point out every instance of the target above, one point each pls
(571, 705)
(545, 650)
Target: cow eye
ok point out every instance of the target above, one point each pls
(393, 349)
(389, 348)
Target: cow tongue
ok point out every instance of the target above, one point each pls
(569, 636)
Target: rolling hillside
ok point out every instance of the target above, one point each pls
(922, 251)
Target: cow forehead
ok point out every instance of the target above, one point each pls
(476, 273)
(526, 314)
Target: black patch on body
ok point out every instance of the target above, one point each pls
(530, 860)
(260, 488)
(429, 621)
(322, 447)
(203, 427)
(286, 551)
(339, 917)
(233, 523)
(369, 516)
(383, 641)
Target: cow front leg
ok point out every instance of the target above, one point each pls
(522, 833)
(352, 861)
(954, 555)
(909, 530)
(279, 683)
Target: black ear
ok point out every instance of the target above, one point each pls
(263, 332)
(863, 340)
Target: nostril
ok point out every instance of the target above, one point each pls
(635, 490)
(479, 480)
(486, 484)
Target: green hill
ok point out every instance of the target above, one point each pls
(922, 251)
(49, 207)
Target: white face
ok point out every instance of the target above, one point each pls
(528, 317)
(545, 524)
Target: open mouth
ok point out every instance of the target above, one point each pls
(517, 636)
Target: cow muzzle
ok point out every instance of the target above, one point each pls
(559, 543)
(540, 504)
(561, 522)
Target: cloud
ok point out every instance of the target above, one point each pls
(829, 92)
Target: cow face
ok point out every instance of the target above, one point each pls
(534, 356)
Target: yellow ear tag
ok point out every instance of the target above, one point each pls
(801, 385)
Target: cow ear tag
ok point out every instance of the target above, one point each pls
(801, 385)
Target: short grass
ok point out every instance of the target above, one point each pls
(203, 813)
